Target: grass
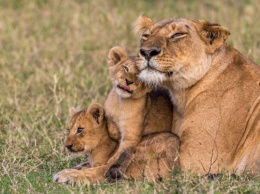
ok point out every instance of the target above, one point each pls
(53, 56)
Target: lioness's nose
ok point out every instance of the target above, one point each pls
(148, 53)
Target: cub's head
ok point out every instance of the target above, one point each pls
(123, 73)
(177, 51)
(86, 129)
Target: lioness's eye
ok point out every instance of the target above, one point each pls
(177, 34)
(79, 129)
(126, 69)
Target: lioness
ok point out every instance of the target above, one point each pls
(88, 134)
(132, 109)
(216, 91)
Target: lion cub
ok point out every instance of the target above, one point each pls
(133, 109)
(88, 135)
(154, 156)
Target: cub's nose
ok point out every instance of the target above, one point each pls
(69, 147)
(128, 82)
(148, 53)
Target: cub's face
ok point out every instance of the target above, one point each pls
(85, 131)
(123, 73)
(176, 49)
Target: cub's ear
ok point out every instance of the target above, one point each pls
(72, 111)
(142, 24)
(97, 112)
(213, 34)
(115, 55)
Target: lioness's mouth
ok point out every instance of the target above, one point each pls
(125, 88)
(168, 73)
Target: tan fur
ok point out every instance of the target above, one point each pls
(215, 89)
(151, 158)
(132, 110)
(93, 139)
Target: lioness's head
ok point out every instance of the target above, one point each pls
(177, 51)
(86, 129)
(123, 73)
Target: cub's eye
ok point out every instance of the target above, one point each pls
(145, 36)
(177, 35)
(68, 130)
(80, 129)
(126, 69)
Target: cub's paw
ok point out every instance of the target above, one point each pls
(71, 176)
(113, 174)
(64, 176)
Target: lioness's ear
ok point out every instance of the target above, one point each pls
(142, 24)
(97, 112)
(72, 111)
(116, 54)
(213, 34)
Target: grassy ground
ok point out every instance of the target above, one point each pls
(53, 56)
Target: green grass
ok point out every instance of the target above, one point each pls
(53, 56)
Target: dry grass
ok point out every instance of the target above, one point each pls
(53, 56)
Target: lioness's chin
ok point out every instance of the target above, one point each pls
(152, 77)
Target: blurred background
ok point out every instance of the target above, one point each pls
(53, 56)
